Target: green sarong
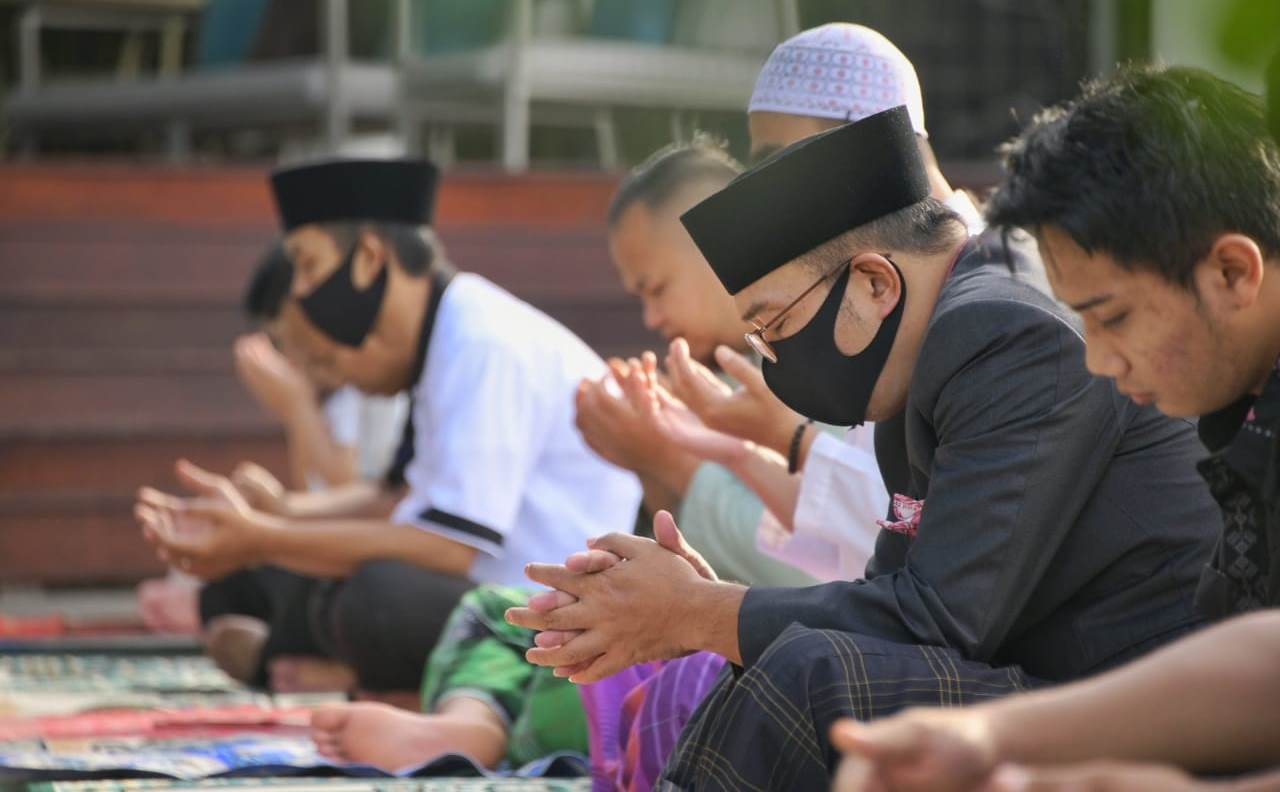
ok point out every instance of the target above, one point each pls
(481, 656)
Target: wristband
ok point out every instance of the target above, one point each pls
(793, 454)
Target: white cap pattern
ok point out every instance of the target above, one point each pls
(841, 71)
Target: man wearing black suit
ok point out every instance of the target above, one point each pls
(1049, 529)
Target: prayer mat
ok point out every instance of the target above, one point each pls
(166, 723)
(108, 644)
(73, 673)
(243, 755)
(61, 684)
(322, 785)
(186, 759)
(35, 685)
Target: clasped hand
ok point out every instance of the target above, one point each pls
(626, 600)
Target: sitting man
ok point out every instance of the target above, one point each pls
(341, 450)
(1047, 528)
(499, 475)
(819, 520)
(681, 298)
(1155, 199)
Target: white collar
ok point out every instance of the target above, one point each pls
(960, 203)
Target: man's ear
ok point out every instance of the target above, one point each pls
(372, 255)
(880, 280)
(1230, 277)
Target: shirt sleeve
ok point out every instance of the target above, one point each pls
(719, 503)
(1024, 434)
(818, 557)
(342, 414)
(479, 426)
(719, 515)
(841, 497)
(381, 427)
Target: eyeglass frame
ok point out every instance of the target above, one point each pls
(755, 337)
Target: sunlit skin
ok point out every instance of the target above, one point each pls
(384, 362)
(659, 263)
(1188, 351)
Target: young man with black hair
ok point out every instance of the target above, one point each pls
(1155, 199)
(498, 475)
(1048, 529)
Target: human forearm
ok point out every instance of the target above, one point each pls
(359, 498)
(312, 449)
(335, 548)
(657, 497)
(671, 473)
(1206, 703)
(710, 621)
(765, 472)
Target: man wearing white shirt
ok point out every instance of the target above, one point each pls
(499, 475)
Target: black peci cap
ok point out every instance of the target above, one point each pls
(395, 191)
(807, 194)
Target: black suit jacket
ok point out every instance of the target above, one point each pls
(1064, 527)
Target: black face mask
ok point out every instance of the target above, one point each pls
(817, 380)
(340, 310)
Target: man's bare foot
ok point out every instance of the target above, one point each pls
(392, 739)
(296, 674)
(235, 643)
(170, 605)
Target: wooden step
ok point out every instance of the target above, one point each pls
(30, 467)
(101, 545)
(66, 506)
(127, 263)
(238, 197)
(53, 405)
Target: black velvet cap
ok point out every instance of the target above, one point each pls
(394, 191)
(807, 194)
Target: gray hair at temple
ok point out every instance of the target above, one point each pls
(657, 180)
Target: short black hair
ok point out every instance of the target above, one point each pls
(1149, 166)
(416, 247)
(269, 285)
(927, 227)
(656, 181)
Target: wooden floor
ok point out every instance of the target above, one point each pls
(119, 292)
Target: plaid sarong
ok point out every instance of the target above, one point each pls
(767, 726)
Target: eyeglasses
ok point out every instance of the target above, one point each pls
(755, 338)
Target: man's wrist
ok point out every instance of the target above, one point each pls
(675, 470)
(782, 430)
(288, 505)
(807, 439)
(710, 621)
(265, 531)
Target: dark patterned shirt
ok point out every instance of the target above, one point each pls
(1244, 573)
